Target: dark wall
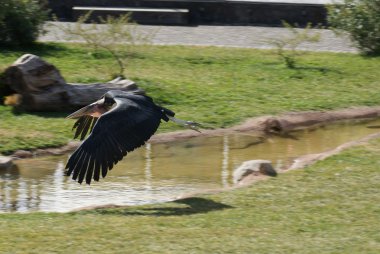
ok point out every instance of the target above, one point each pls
(213, 12)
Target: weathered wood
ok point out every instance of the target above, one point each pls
(42, 88)
(71, 96)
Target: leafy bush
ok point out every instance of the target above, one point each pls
(21, 21)
(361, 19)
(286, 47)
(116, 35)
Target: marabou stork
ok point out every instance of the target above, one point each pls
(118, 123)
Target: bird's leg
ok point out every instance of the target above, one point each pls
(187, 124)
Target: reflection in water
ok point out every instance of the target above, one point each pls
(225, 172)
(161, 172)
(58, 184)
(148, 166)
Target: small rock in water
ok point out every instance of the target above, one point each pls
(22, 154)
(5, 162)
(253, 167)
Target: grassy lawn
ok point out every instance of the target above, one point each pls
(216, 86)
(330, 207)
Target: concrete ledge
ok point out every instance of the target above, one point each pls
(127, 9)
(156, 16)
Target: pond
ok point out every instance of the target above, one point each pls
(162, 172)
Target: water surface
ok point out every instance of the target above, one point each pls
(162, 172)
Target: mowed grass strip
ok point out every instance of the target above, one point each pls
(330, 207)
(216, 86)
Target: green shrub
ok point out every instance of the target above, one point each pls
(20, 21)
(118, 38)
(286, 47)
(361, 19)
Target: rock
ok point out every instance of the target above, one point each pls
(255, 168)
(71, 146)
(5, 162)
(41, 87)
(21, 154)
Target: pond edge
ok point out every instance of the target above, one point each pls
(263, 125)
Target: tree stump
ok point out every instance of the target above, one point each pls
(40, 86)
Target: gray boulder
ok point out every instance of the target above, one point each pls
(5, 162)
(253, 168)
(22, 154)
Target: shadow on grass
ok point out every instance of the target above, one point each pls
(194, 205)
(320, 69)
(40, 49)
(299, 69)
(62, 50)
(62, 114)
(49, 114)
(301, 72)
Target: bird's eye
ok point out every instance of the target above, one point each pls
(108, 103)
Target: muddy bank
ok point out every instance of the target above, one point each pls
(263, 125)
(309, 159)
(279, 124)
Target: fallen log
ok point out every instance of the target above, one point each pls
(40, 86)
(71, 96)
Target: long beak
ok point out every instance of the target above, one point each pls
(87, 110)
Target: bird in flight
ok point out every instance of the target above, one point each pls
(118, 122)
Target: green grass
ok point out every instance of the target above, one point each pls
(217, 86)
(330, 207)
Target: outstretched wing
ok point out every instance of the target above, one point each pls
(119, 131)
(84, 125)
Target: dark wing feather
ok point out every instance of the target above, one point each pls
(83, 125)
(122, 129)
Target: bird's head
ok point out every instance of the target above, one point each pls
(107, 102)
(95, 109)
